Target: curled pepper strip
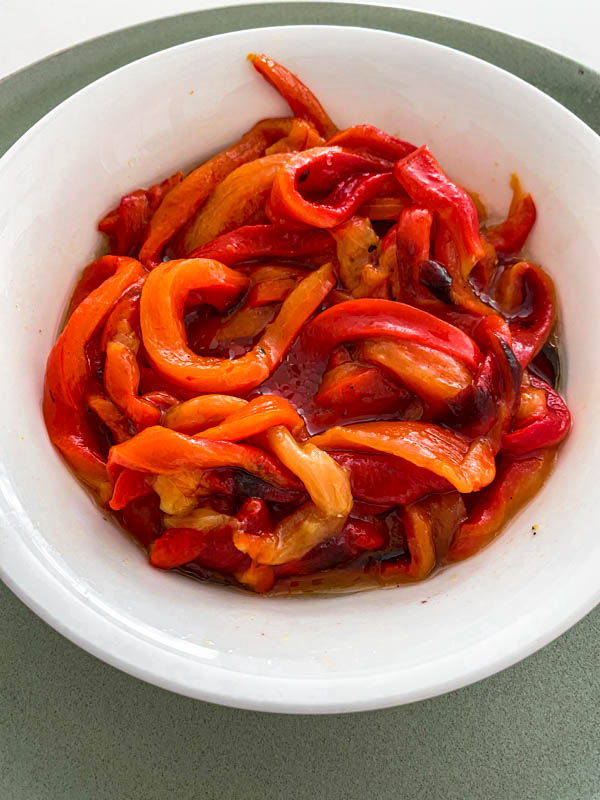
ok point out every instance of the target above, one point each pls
(517, 284)
(256, 416)
(212, 548)
(67, 373)
(161, 451)
(541, 430)
(129, 486)
(193, 415)
(358, 178)
(373, 141)
(182, 202)
(509, 236)
(468, 466)
(234, 201)
(260, 241)
(515, 483)
(164, 337)
(300, 99)
(427, 185)
(418, 531)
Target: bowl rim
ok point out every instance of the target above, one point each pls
(52, 598)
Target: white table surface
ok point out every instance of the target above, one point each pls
(33, 29)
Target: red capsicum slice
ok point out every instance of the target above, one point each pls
(129, 486)
(509, 236)
(260, 241)
(526, 295)
(358, 178)
(193, 415)
(427, 185)
(516, 481)
(300, 99)
(468, 466)
(373, 141)
(388, 480)
(67, 373)
(255, 417)
(541, 430)
(161, 451)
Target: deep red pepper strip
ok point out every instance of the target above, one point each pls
(298, 96)
(67, 374)
(527, 282)
(509, 236)
(427, 184)
(129, 486)
(540, 432)
(315, 171)
(515, 483)
(384, 479)
(372, 140)
(258, 241)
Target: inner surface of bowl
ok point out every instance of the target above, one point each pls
(313, 653)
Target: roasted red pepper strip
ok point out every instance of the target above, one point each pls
(412, 243)
(371, 140)
(468, 466)
(355, 389)
(67, 373)
(259, 241)
(257, 416)
(201, 412)
(358, 178)
(368, 318)
(161, 451)
(388, 480)
(180, 205)
(91, 278)
(526, 295)
(164, 338)
(515, 483)
(213, 549)
(125, 316)
(509, 236)
(542, 431)
(267, 292)
(114, 419)
(122, 380)
(129, 486)
(426, 183)
(298, 96)
(126, 225)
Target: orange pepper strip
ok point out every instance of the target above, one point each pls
(164, 335)
(199, 412)
(240, 195)
(67, 373)
(517, 481)
(255, 417)
(122, 380)
(467, 465)
(161, 451)
(298, 96)
(184, 200)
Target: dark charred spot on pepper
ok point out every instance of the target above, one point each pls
(435, 277)
(371, 248)
(303, 175)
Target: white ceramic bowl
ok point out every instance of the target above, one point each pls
(318, 653)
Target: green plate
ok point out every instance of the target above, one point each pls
(72, 727)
